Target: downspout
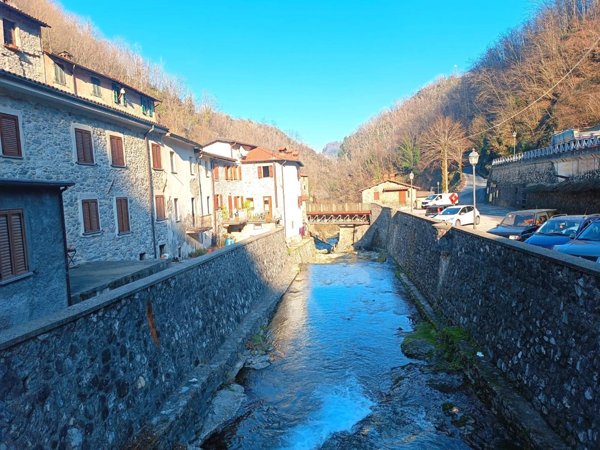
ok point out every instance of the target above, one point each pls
(275, 184)
(283, 195)
(64, 230)
(74, 80)
(199, 162)
(152, 212)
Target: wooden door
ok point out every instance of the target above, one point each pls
(402, 197)
(268, 208)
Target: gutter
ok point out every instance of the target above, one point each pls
(151, 190)
(64, 232)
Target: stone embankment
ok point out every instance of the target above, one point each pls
(534, 313)
(138, 364)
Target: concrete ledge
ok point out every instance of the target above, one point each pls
(493, 389)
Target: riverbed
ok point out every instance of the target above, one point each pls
(338, 378)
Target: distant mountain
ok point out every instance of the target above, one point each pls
(332, 150)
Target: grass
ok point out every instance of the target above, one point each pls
(198, 252)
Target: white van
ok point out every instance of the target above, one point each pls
(447, 198)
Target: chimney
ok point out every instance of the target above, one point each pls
(66, 55)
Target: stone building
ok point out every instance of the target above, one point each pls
(33, 258)
(390, 192)
(52, 134)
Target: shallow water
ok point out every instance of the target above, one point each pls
(336, 337)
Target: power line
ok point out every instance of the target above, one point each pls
(589, 50)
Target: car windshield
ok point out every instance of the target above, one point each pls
(518, 220)
(591, 233)
(563, 226)
(430, 197)
(449, 211)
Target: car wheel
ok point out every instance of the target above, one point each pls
(477, 220)
(457, 223)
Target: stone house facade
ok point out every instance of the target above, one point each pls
(33, 260)
(390, 192)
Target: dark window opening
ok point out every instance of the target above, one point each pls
(10, 33)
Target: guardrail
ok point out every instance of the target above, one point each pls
(571, 146)
(316, 208)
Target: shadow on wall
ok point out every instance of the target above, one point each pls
(112, 362)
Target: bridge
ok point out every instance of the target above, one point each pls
(343, 214)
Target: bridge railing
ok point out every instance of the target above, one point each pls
(316, 208)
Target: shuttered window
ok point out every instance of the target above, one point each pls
(215, 172)
(96, 87)
(9, 33)
(91, 219)
(13, 251)
(116, 151)
(160, 207)
(123, 215)
(9, 136)
(176, 210)
(83, 143)
(265, 171)
(59, 74)
(156, 161)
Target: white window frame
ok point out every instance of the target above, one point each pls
(109, 153)
(19, 115)
(81, 126)
(172, 161)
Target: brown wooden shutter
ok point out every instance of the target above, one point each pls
(216, 172)
(160, 207)
(156, 161)
(375, 195)
(17, 235)
(270, 171)
(116, 151)
(260, 172)
(5, 248)
(83, 142)
(91, 221)
(123, 215)
(9, 134)
(230, 204)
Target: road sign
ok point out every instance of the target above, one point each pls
(454, 198)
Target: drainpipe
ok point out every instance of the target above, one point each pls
(62, 218)
(283, 198)
(199, 162)
(150, 178)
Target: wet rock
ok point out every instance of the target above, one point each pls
(418, 349)
(257, 362)
(224, 408)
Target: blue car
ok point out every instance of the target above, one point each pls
(559, 230)
(586, 244)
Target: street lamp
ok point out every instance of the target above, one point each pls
(438, 190)
(514, 143)
(473, 159)
(411, 177)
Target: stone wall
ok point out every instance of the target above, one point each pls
(534, 313)
(93, 375)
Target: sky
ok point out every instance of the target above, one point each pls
(317, 69)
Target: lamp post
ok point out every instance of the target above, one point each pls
(473, 159)
(438, 189)
(514, 143)
(411, 177)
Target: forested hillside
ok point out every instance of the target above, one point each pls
(537, 79)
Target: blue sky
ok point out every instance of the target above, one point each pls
(317, 68)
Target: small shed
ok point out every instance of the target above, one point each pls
(389, 192)
(33, 251)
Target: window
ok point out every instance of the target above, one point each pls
(172, 160)
(116, 151)
(10, 33)
(159, 201)
(123, 215)
(147, 106)
(376, 195)
(265, 171)
(208, 204)
(156, 161)
(193, 212)
(9, 136)
(13, 248)
(96, 91)
(205, 165)
(191, 166)
(91, 220)
(83, 143)
(215, 171)
(176, 210)
(119, 95)
(59, 74)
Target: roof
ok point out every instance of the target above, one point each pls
(69, 61)
(36, 184)
(212, 155)
(183, 139)
(53, 90)
(229, 142)
(259, 155)
(400, 183)
(24, 14)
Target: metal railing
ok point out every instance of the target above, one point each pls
(579, 144)
(319, 208)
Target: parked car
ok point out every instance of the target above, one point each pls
(586, 244)
(459, 215)
(446, 198)
(559, 230)
(519, 225)
(435, 210)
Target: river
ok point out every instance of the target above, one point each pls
(338, 378)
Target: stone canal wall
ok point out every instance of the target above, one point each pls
(95, 374)
(535, 314)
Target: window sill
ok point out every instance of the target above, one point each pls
(11, 156)
(160, 169)
(85, 164)
(124, 234)
(92, 233)
(13, 48)
(118, 167)
(162, 219)
(15, 278)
